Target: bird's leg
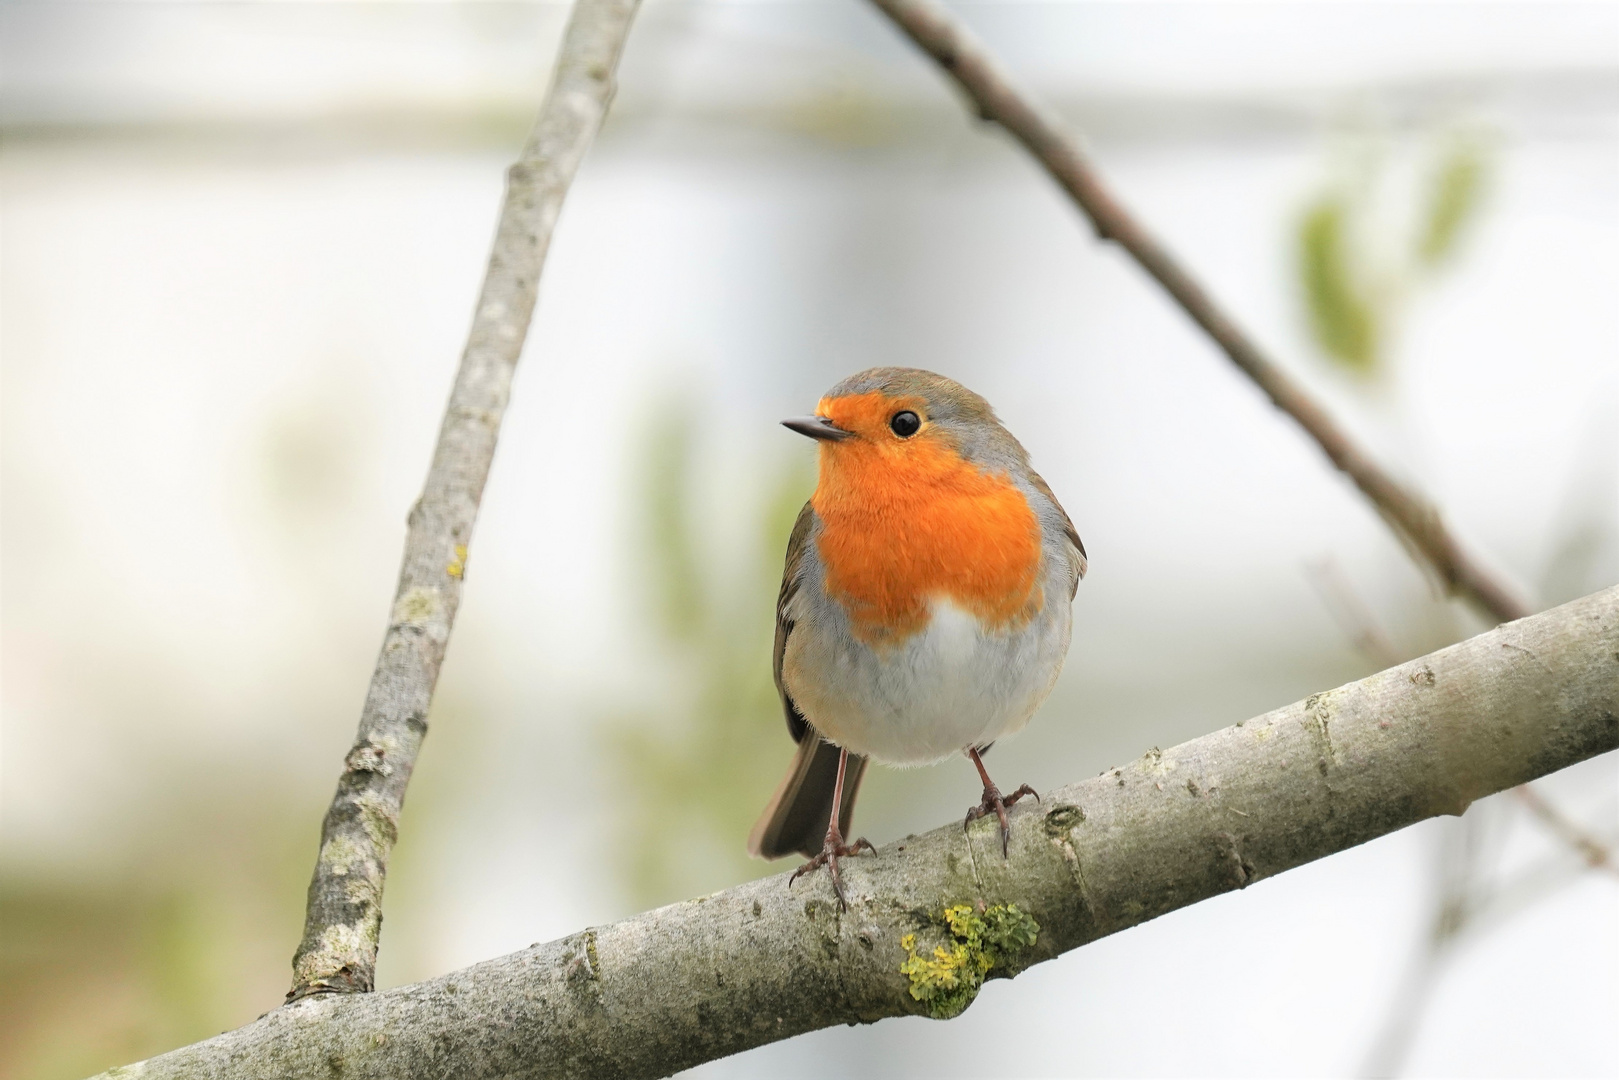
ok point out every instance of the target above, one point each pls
(833, 847)
(995, 802)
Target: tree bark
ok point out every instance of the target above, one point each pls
(709, 977)
(338, 953)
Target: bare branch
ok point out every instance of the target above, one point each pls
(1595, 853)
(1338, 593)
(339, 949)
(1468, 903)
(1460, 896)
(998, 98)
(699, 980)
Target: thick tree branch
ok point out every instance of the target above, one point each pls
(339, 949)
(997, 97)
(709, 977)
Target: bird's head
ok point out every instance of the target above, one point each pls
(907, 422)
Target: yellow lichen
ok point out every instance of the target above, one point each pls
(948, 980)
(459, 567)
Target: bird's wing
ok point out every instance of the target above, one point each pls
(1079, 562)
(796, 545)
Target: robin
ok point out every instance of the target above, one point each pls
(926, 604)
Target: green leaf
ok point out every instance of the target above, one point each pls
(1453, 200)
(1342, 317)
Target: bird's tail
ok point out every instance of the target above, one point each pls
(795, 819)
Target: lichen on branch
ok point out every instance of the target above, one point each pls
(981, 937)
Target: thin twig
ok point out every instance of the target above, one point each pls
(1354, 617)
(996, 96)
(339, 949)
(757, 963)
(1596, 853)
(1467, 903)
(1461, 894)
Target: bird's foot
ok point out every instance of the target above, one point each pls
(831, 851)
(996, 803)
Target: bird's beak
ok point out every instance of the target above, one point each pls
(817, 427)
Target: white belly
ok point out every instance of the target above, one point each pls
(947, 688)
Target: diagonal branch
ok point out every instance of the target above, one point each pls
(997, 97)
(1596, 854)
(760, 962)
(338, 953)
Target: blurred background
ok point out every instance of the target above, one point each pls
(239, 245)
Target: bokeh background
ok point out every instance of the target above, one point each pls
(239, 244)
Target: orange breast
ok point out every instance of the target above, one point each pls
(902, 523)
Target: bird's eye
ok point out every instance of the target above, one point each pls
(905, 424)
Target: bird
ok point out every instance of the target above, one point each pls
(926, 604)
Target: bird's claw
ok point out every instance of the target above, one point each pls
(831, 852)
(996, 803)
